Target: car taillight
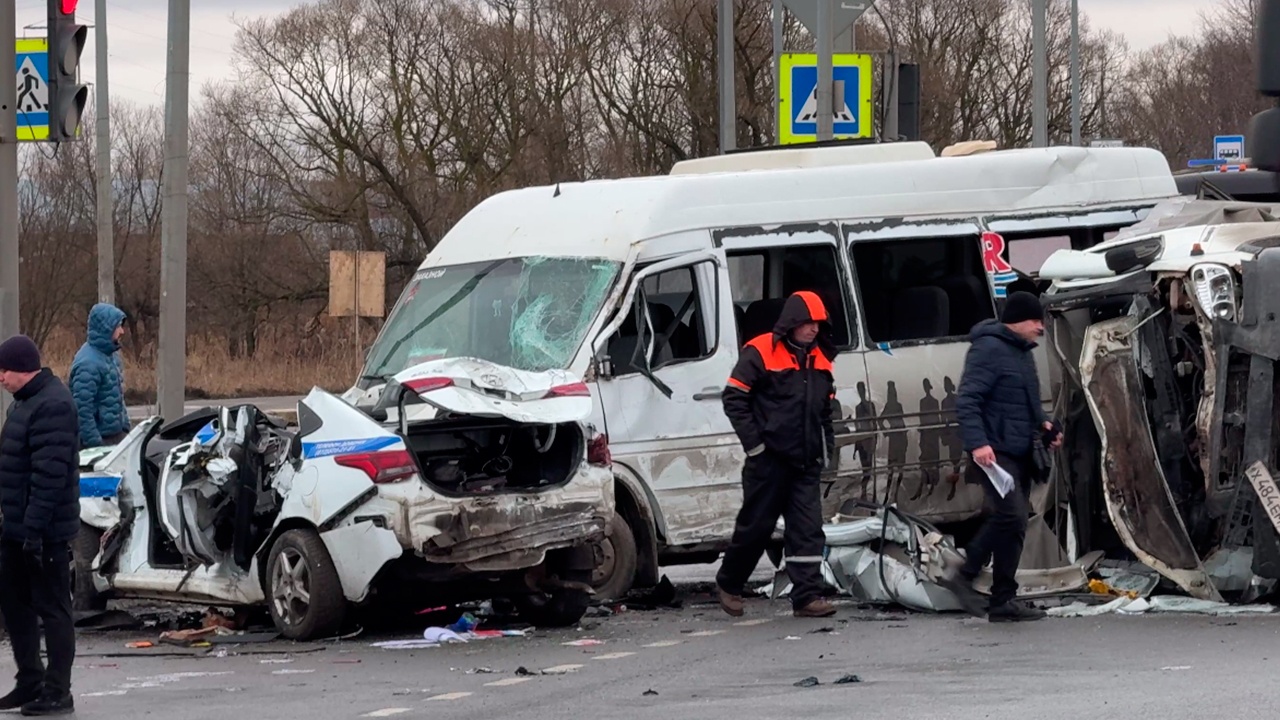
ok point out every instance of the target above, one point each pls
(598, 451)
(572, 390)
(382, 467)
(421, 385)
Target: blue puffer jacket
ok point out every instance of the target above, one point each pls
(998, 403)
(97, 379)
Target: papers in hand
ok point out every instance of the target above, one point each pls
(1000, 478)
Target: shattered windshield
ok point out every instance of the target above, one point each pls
(526, 313)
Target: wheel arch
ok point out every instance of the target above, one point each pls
(637, 508)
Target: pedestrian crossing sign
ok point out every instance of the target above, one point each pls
(33, 89)
(798, 97)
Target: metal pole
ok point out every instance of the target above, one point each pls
(9, 257)
(1039, 78)
(728, 105)
(173, 232)
(825, 73)
(778, 49)
(1075, 73)
(106, 202)
(890, 80)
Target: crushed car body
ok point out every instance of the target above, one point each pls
(1166, 339)
(468, 480)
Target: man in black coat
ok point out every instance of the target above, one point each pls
(40, 506)
(1000, 416)
(778, 399)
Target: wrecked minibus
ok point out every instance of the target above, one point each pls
(1167, 337)
(647, 287)
(470, 480)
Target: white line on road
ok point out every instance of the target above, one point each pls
(387, 712)
(450, 696)
(705, 633)
(506, 682)
(613, 656)
(561, 669)
(753, 623)
(663, 643)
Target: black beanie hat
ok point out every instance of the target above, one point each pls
(1020, 307)
(19, 354)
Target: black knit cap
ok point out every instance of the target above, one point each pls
(1020, 307)
(19, 354)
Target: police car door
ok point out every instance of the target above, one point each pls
(665, 359)
(923, 286)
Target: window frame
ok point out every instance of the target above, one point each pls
(711, 330)
(917, 230)
(742, 241)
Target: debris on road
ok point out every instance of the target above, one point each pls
(848, 680)
(808, 683)
(1125, 605)
(650, 691)
(585, 642)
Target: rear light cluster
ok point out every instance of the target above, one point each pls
(598, 451)
(390, 466)
(423, 385)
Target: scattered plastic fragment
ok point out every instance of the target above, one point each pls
(440, 635)
(848, 680)
(650, 691)
(465, 624)
(585, 642)
(480, 671)
(140, 645)
(808, 683)
(524, 671)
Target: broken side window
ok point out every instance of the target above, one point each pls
(922, 288)
(762, 280)
(674, 308)
(526, 313)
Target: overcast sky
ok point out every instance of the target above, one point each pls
(137, 39)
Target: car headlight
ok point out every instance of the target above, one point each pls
(1215, 290)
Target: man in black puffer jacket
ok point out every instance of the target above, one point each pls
(778, 399)
(1001, 416)
(40, 505)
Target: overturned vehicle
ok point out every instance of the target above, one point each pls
(468, 480)
(1166, 338)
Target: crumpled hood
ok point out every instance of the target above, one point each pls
(480, 388)
(103, 321)
(997, 329)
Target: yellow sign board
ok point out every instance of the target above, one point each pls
(33, 89)
(798, 100)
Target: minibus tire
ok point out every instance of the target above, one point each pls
(619, 547)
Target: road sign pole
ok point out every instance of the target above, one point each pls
(1076, 99)
(1039, 77)
(777, 70)
(106, 203)
(171, 383)
(728, 104)
(890, 82)
(9, 257)
(826, 118)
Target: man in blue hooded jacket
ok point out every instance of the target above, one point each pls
(97, 380)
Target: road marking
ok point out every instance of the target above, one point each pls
(613, 656)
(561, 669)
(505, 682)
(705, 633)
(450, 696)
(663, 643)
(753, 623)
(386, 712)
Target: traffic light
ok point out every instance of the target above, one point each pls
(67, 97)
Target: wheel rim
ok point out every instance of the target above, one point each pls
(606, 560)
(291, 587)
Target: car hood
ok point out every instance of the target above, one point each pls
(470, 386)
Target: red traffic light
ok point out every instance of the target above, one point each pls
(69, 7)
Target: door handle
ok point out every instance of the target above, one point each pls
(710, 393)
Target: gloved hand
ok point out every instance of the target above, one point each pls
(33, 548)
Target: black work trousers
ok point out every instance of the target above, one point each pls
(32, 588)
(1003, 531)
(773, 487)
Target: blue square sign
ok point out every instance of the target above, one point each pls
(804, 109)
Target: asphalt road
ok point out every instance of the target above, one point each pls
(698, 663)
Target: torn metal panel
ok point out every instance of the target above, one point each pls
(479, 388)
(1137, 497)
(359, 552)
